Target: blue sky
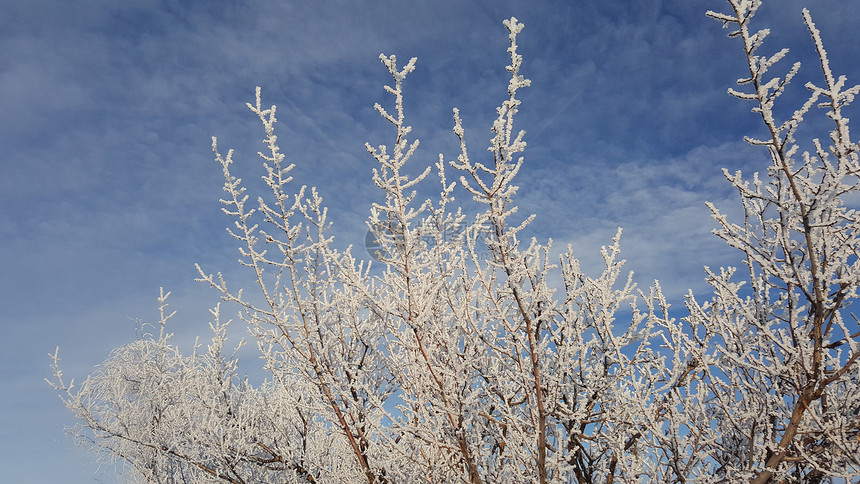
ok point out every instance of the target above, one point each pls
(109, 190)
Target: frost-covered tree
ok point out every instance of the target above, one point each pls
(456, 358)
(774, 393)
